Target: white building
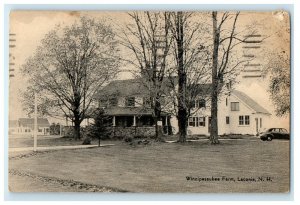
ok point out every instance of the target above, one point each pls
(237, 114)
(24, 126)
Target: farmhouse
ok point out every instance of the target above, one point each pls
(26, 126)
(127, 103)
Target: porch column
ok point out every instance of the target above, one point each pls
(166, 121)
(114, 121)
(134, 121)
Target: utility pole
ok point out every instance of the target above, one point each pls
(35, 124)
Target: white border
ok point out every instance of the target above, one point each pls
(258, 2)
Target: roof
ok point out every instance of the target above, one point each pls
(200, 89)
(131, 87)
(250, 102)
(125, 111)
(27, 122)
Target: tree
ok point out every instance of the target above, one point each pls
(98, 128)
(277, 63)
(148, 41)
(182, 111)
(279, 86)
(224, 67)
(69, 66)
(191, 65)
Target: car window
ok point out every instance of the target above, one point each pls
(284, 130)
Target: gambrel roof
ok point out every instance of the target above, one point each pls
(131, 88)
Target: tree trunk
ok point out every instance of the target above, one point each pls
(182, 110)
(157, 113)
(182, 125)
(214, 94)
(77, 128)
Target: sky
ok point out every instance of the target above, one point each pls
(31, 26)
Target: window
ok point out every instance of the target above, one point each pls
(227, 120)
(191, 122)
(103, 103)
(201, 121)
(202, 103)
(241, 120)
(226, 101)
(113, 102)
(247, 120)
(235, 106)
(130, 102)
(244, 120)
(197, 121)
(193, 103)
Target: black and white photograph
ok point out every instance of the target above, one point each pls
(149, 101)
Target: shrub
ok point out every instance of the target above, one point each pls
(99, 128)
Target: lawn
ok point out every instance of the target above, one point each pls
(27, 141)
(163, 167)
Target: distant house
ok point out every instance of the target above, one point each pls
(127, 103)
(237, 114)
(26, 126)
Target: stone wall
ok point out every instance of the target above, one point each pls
(123, 132)
(118, 132)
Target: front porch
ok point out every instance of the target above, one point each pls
(138, 126)
(136, 122)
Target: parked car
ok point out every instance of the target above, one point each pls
(275, 133)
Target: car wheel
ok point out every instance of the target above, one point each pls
(269, 138)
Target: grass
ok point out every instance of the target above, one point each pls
(45, 141)
(163, 167)
(27, 141)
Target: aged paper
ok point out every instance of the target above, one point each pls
(153, 102)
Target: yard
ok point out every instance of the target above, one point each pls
(241, 165)
(51, 140)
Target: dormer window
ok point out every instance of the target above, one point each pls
(198, 103)
(103, 103)
(130, 102)
(113, 101)
(202, 103)
(146, 102)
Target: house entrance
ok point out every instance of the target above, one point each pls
(256, 124)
